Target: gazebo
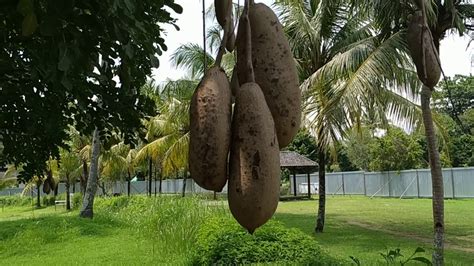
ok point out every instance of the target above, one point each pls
(298, 164)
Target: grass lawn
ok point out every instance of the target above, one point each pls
(364, 227)
(355, 226)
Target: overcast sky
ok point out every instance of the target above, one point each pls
(455, 56)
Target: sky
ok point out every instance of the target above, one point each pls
(455, 55)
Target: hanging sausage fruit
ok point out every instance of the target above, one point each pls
(210, 124)
(254, 180)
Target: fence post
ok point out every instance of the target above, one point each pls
(365, 186)
(343, 186)
(389, 187)
(452, 183)
(417, 183)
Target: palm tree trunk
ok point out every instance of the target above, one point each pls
(184, 184)
(68, 197)
(128, 183)
(38, 194)
(161, 181)
(91, 188)
(84, 176)
(322, 192)
(436, 178)
(150, 165)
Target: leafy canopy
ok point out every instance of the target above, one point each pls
(74, 62)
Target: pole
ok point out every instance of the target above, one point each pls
(343, 187)
(452, 183)
(294, 184)
(417, 183)
(365, 185)
(309, 185)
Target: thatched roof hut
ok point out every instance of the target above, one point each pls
(298, 164)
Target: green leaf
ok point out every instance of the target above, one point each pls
(155, 62)
(419, 250)
(29, 24)
(25, 7)
(423, 260)
(65, 62)
(176, 8)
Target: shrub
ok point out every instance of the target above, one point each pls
(48, 200)
(222, 241)
(76, 200)
(15, 201)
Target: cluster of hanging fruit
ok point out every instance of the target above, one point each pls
(242, 146)
(422, 49)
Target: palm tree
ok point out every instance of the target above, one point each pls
(441, 17)
(168, 132)
(8, 178)
(88, 199)
(69, 169)
(336, 52)
(81, 145)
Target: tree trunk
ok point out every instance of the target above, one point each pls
(184, 184)
(436, 178)
(150, 165)
(38, 194)
(91, 188)
(161, 181)
(128, 183)
(322, 191)
(84, 176)
(68, 197)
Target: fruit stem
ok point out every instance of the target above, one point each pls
(248, 43)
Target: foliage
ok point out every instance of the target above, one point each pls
(16, 201)
(357, 145)
(58, 62)
(304, 144)
(222, 241)
(392, 255)
(396, 150)
(453, 99)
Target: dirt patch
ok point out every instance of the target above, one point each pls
(447, 244)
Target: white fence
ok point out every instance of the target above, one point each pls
(458, 183)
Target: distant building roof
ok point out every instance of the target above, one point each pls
(297, 162)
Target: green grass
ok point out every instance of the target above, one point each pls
(364, 227)
(147, 231)
(136, 232)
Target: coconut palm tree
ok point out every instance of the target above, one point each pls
(440, 18)
(336, 49)
(69, 169)
(91, 188)
(81, 145)
(168, 132)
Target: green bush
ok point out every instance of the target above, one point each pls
(15, 201)
(48, 200)
(222, 241)
(76, 200)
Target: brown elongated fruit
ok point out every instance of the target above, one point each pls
(210, 130)
(230, 44)
(420, 41)
(223, 10)
(254, 180)
(224, 15)
(275, 71)
(234, 81)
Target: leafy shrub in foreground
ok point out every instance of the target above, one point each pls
(222, 241)
(15, 201)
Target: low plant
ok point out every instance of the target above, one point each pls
(395, 256)
(222, 241)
